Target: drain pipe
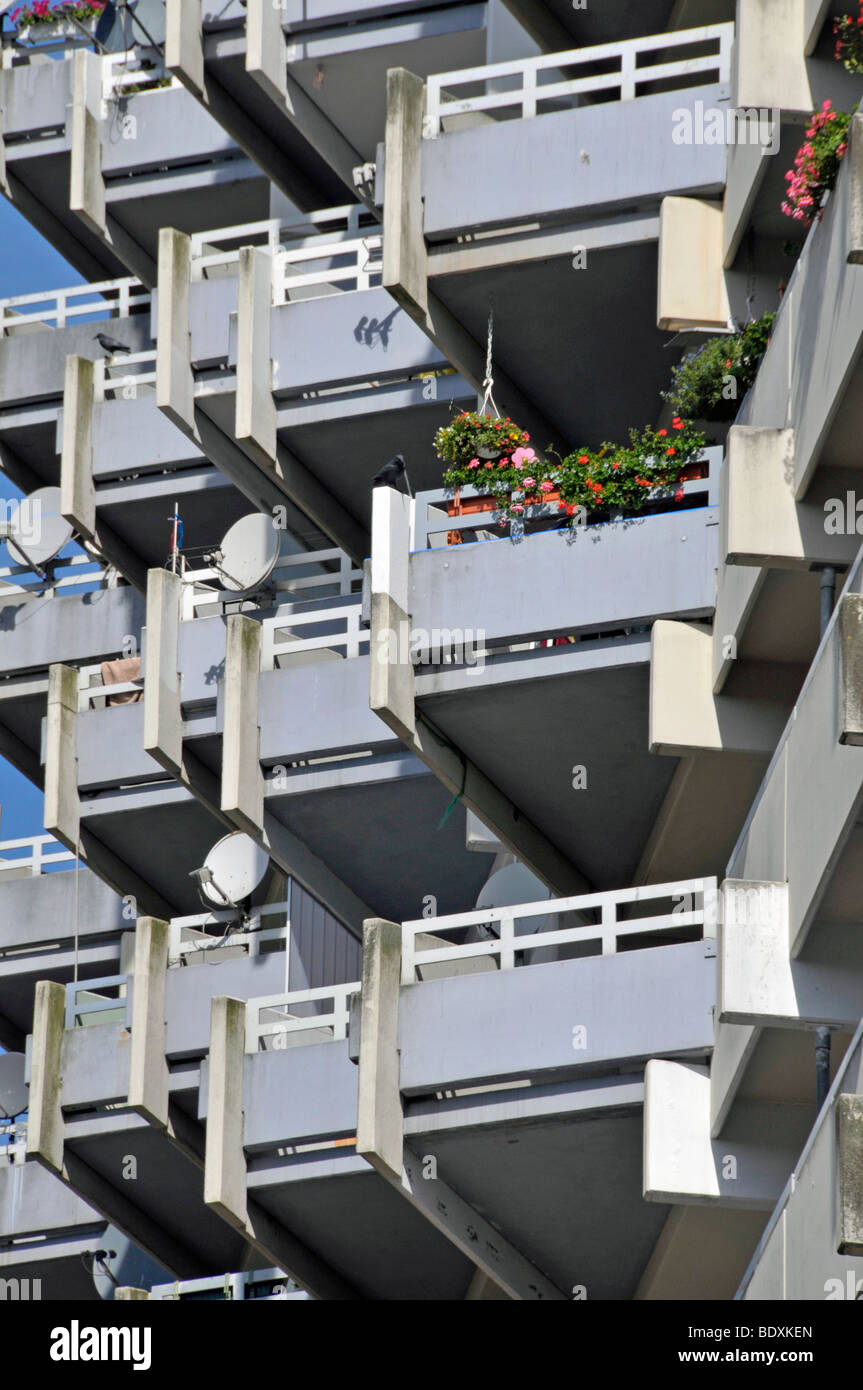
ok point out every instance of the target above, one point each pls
(822, 1035)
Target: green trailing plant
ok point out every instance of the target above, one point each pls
(710, 383)
(816, 164)
(41, 12)
(848, 32)
(499, 462)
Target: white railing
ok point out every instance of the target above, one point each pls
(221, 245)
(105, 384)
(39, 850)
(280, 638)
(107, 999)
(630, 74)
(54, 308)
(14, 1149)
(281, 1021)
(99, 576)
(362, 270)
(499, 925)
(188, 938)
(203, 587)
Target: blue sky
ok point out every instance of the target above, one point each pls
(27, 263)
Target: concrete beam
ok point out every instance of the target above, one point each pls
(691, 289)
(163, 714)
(815, 13)
(266, 49)
(849, 1113)
(746, 1168)
(255, 410)
(854, 160)
(380, 1137)
(184, 43)
(62, 810)
(45, 1117)
(762, 522)
(850, 637)
(770, 68)
(175, 383)
(77, 490)
(391, 696)
(148, 1066)
(405, 263)
(242, 778)
(685, 715)
(759, 983)
(225, 1160)
(537, 20)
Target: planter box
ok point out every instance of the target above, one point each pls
(58, 32)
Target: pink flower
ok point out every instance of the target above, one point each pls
(474, 463)
(546, 486)
(530, 482)
(522, 456)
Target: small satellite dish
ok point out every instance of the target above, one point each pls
(14, 1093)
(38, 531)
(248, 553)
(233, 869)
(117, 1263)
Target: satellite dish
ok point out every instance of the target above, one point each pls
(38, 531)
(248, 553)
(14, 1093)
(117, 1263)
(233, 869)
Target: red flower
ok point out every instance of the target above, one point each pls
(670, 452)
(662, 433)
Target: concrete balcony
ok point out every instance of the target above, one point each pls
(467, 670)
(466, 1089)
(812, 1247)
(303, 89)
(48, 1231)
(56, 925)
(491, 148)
(787, 959)
(98, 157)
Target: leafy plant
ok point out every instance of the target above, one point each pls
(849, 41)
(710, 383)
(816, 164)
(481, 437)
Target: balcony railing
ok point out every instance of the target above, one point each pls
(187, 937)
(13, 1142)
(203, 587)
(282, 1015)
(56, 308)
(107, 999)
(105, 384)
(536, 82)
(96, 576)
(28, 858)
(346, 635)
(695, 907)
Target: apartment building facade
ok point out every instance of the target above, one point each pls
(319, 754)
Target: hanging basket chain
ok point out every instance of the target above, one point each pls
(488, 382)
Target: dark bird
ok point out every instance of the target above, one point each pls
(393, 474)
(111, 345)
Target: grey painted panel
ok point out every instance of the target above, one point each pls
(634, 1005)
(134, 435)
(81, 628)
(299, 1093)
(170, 127)
(111, 747)
(95, 1064)
(191, 989)
(318, 709)
(317, 341)
(562, 162)
(211, 304)
(35, 96)
(563, 581)
(32, 1200)
(32, 365)
(202, 658)
(44, 908)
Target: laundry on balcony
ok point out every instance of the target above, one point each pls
(121, 672)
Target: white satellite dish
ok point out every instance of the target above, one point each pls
(38, 531)
(232, 870)
(14, 1093)
(249, 553)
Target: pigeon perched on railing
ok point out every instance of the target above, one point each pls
(111, 345)
(393, 474)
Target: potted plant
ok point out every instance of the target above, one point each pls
(620, 480)
(848, 32)
(708, 385)
(41, 22)
(478, 450)
(816, 164)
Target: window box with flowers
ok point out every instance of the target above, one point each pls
(708, 385)
(42, 22)
(495, 458)
(848, 32)
(816, 164)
